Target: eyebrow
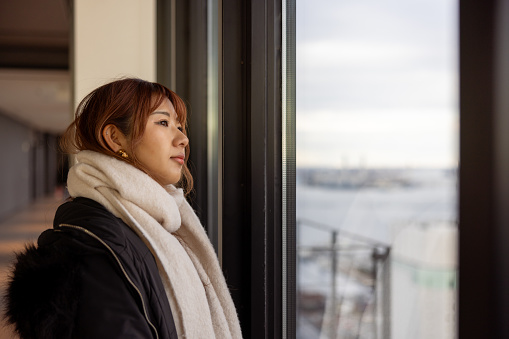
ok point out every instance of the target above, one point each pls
(161, 112)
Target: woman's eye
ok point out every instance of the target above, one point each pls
(180, 128)
(163, 123)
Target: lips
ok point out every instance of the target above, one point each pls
(179, 158)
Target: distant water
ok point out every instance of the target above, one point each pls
(376, 212)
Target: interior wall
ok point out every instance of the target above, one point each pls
(15, 179)
(29, 167)
(51, 169)
(112, 39)
(38, 157)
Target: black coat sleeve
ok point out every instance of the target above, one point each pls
(108, 306)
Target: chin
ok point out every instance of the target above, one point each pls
(166, 180)
(169, 182)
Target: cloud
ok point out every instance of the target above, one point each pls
(379, 138)
(378, 81)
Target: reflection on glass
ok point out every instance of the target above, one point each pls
(376, 168)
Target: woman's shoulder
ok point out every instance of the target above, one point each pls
(88, 222)
(83, 218)
(84, 212)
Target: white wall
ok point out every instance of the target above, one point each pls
(112, 38)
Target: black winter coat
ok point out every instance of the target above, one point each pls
(90, 276)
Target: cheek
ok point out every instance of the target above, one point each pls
(146, 154)
(150, 145)
(155, 160)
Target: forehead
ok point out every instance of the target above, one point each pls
(166, 108)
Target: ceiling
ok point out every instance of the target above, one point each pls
(35, 83)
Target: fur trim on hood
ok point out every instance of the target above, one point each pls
(40, 298)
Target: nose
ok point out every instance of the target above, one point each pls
(181, 139)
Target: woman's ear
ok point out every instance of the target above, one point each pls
(114, 138)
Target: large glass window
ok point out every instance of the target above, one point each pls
(377, 130)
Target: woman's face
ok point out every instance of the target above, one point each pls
(161, 149)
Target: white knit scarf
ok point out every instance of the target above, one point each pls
(195, 286)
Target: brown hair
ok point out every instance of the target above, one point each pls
(127, 104)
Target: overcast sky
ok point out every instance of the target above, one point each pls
(377, 83)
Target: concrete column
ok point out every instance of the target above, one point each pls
(112, 39)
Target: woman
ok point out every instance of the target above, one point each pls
(127, 256)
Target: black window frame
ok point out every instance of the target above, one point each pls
(483, 310)
(252, 205)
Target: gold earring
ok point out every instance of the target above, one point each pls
(123, 153)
